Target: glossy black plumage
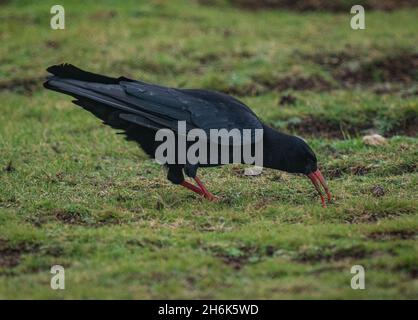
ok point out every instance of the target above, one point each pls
(140, 109)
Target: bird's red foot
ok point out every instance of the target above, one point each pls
(206, 193)
(200, 189)
(212, 197)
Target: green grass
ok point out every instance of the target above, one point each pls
(74, 193)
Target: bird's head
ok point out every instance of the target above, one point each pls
(297, 156)
(294, 155)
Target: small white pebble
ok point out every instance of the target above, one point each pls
(374, 140)
(253, 171)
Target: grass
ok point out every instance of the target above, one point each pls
(74, 193)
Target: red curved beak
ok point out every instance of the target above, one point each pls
(317, 178)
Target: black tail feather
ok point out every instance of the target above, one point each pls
(69, 71)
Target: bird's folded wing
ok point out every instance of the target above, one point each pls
(155, 106)
(115, 96)
(199, 108)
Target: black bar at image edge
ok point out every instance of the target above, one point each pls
(196, 309)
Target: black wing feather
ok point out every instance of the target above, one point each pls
(154, 106)
(68, 71)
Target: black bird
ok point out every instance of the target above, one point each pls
(140, 109)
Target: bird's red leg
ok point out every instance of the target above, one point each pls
(205, 191)
(192, 187)
(314, 180)
(321, 179)
(317, 178)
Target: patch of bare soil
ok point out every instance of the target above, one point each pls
(53, 250)
(150, 244)
(236, 263)
(69, 217)
(408, 127)
(361, 170)
(51, 44)
(355, 216)
(312, 126)
(293, 82)
(205, 58)
(37, 220)
(251, 89)
(411, 269)
(327, 269)
(103, 15)
(318, 127)
(330, 60)
(393, 73)
(287, 99)
(297, 82)
(10, 254)
(316, 83)
(378, 191)
(23, 86)
(316, 5)
(9, 167)
(394, 235)
(332, 173)
(367, 217)
(400, 68)
(238, 257)
(317, 254)
(83, 218)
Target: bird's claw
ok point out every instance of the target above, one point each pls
(212, 197)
